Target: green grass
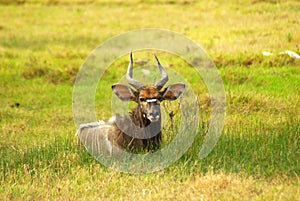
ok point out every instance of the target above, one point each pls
(44, 43)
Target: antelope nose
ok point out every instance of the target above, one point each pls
(154, 114)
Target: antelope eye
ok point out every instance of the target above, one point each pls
(142, 99)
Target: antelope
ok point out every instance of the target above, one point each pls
(141, 130)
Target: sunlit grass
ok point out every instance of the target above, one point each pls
(44, 43)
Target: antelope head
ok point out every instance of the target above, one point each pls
(148, 98)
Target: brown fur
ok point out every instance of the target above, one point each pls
(153, 129)
(149, 92)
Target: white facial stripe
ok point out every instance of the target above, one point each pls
(151, 100)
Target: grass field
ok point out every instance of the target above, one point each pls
(44, 43)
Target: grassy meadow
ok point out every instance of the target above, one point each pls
(44, 43)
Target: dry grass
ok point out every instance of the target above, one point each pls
(102, 186)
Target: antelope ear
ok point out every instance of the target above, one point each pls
(173, 91)
(124, 92)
